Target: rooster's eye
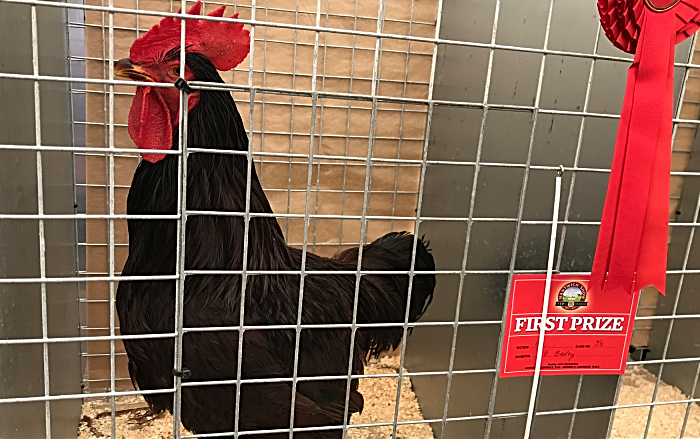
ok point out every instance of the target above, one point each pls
(175, 71)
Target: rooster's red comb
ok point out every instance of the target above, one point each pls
(224, 44)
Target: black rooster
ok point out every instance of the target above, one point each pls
(217, 182)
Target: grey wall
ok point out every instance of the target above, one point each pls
(461, 75)
(21, 367)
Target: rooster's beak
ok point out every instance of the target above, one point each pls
(125, 69)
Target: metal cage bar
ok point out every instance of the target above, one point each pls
(253, 22)
(470, 221)
(40, 210)
(110, 192)
(246, 228)
(567, 211)
(521, 206)
(309, 175)
(421, 186)
(181, 231)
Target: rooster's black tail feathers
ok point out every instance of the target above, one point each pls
(383, 296)
(397, 248)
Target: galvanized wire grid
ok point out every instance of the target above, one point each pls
(257, 94)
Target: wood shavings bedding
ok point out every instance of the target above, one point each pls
(380, 394)
(667, 420)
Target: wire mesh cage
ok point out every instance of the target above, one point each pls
(445, 119)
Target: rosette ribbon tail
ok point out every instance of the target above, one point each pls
(632, 242)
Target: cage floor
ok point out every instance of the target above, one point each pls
(667, 420)
(637, 388)
(379, 394)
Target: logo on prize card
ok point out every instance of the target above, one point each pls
(572, 296)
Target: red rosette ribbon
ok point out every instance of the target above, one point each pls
(632, 242)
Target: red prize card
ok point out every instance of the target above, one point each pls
(584, 333)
